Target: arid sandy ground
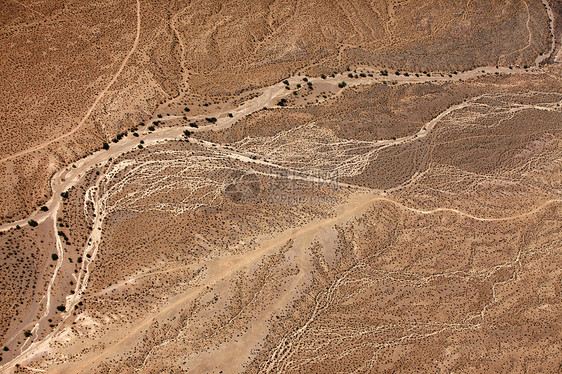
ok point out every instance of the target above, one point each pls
(285, 187)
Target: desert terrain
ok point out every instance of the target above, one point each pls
(281, 186)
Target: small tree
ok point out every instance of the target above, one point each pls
(32, 223)
(342, 84)
(61, 308)
(105, 146)
(44, 208)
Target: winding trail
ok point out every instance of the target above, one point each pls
(68, 177)
(222, 268)
(93, 106)
(541, 59)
